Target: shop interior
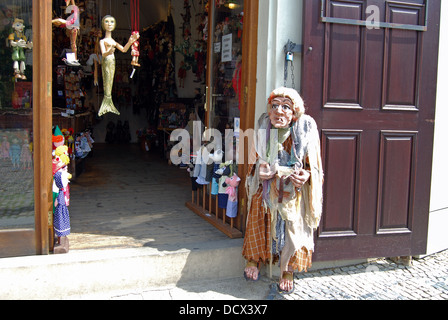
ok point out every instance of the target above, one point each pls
(124, 190)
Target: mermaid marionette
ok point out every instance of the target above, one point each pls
(108, 46)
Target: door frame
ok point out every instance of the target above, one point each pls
(22, 242)
(248, 87)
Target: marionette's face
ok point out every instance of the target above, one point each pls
(281, 112)
(109, 23)
(18, 26)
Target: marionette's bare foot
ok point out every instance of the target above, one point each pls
(286, 283)
(251, 272)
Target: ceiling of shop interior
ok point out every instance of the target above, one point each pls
(151, 11)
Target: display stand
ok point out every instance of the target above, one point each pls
(172, 116)
(79, 122)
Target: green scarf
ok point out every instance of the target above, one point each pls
(283, 134)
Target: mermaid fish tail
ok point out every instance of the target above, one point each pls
(108, 81)
(107, 106)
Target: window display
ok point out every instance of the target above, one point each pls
(16, 116)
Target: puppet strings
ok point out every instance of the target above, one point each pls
(135, 15)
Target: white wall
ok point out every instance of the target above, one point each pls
(438, 217)
(279, 21)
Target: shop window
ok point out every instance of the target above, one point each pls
(16, 116)
(215, 201)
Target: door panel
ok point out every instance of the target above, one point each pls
(344, 178)
(342, 40)
(374, 103)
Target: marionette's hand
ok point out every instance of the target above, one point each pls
(21, 43)
(299, 177)
(266, 172)
(110, 51)
(58, 22)
(29, 45)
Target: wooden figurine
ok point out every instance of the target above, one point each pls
(71, 24)
(19, 43)
(135, 51)
(108, 46)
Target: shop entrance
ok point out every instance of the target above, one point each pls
(167, 90)
(128, 192)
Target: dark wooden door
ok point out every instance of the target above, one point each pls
(372, 93)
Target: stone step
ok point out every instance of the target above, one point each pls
(88, 272)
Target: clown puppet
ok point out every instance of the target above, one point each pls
(61, 200)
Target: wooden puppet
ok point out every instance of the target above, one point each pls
(108, 46)
(72, 25)
(19, 43)
(61, 198)
(135, 51)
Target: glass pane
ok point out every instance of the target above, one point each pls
(16, 116)
(226, 64)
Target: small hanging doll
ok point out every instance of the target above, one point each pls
(232, 190)
(72, 25)
(135, 53)
(19, 43)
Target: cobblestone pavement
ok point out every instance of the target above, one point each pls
(382, 279)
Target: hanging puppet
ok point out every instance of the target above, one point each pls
(135, 52)
(95, 58)
(72, 25)
(19, 43)
(108, 46)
